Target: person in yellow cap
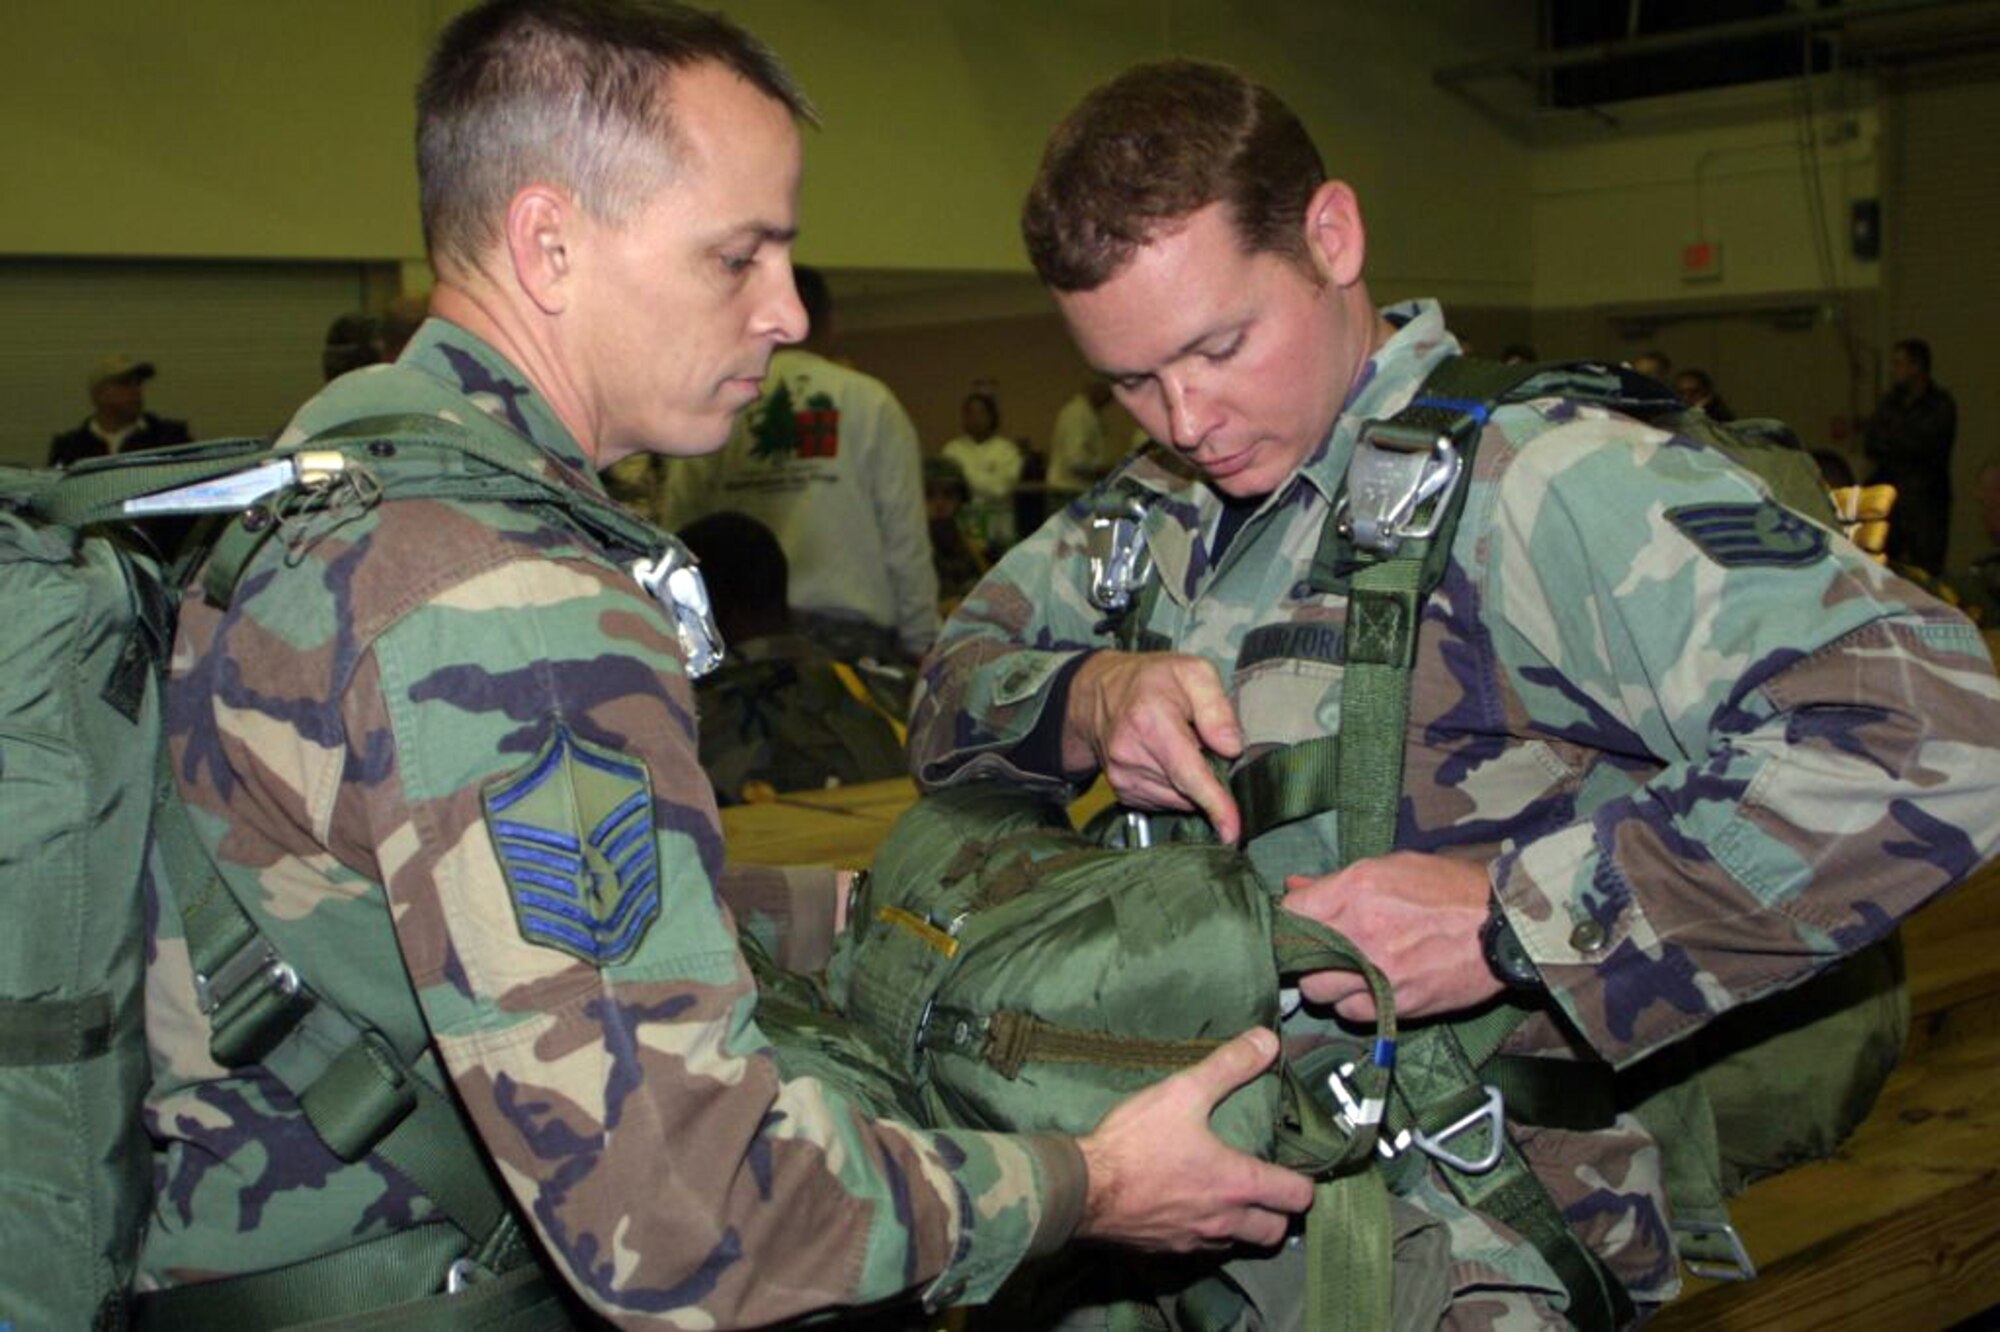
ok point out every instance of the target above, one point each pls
(118, 421)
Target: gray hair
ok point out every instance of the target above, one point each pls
(567, 92)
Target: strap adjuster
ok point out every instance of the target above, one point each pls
(1731, 1261)
(1491, 1113)
(1396, 469)
(671, 579)
(255, 961)
(462, 1273)
(1120, 563)
(1361, 1114)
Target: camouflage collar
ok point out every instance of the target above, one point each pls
(446, 352)
(1386, 384)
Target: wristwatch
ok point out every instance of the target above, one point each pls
(1505, 957)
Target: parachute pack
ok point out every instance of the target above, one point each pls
(93, 817)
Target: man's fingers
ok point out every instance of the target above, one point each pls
(1333, 987)
(1278, 1190)
(1357, 1007)
(1231, 1064)
(1200, 784)
(1215, 723)
(1263, 1229)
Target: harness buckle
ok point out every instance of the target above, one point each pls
(1395, 470)
(462, 1273)
(1492, 1114)
(1360, 1114)
(1734, 1263)
(256, 961)
(672, 579)
(1120, 563)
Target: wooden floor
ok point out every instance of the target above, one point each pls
(1900, 1231)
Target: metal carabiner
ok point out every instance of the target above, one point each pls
(1394, 472)
(1120, 563)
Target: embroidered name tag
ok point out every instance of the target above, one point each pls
(1291, 642)
(1746, 534)
(574, 833)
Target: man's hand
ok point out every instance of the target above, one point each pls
(1149, 721)
(1417, 918)
(1160, 1180)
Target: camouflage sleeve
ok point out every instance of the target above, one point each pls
(1813, 743)
(985, 686)
(524, 782)
(788, 909)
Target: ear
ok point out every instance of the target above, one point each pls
(542, 232)
(1335, 237)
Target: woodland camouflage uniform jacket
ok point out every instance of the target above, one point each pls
(1704, 746)
(408, 740)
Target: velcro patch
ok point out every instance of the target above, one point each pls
(574, 833)
(1745, 534)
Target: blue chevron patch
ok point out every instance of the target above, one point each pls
(1745, 534)
(574, 833)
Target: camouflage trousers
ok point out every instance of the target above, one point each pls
(1453, 1270)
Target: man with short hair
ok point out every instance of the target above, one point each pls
(1668, 749)
(828, 460)
(441, 749)
(1909, 438)
(118, 421)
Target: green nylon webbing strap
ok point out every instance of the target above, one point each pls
(1438, 1083)
(1285, 784)
(390, 1284)
(95, 490)
(1350, 1255)
(1438, 1080)
(1384, 607)
(413, 456)
(359, 1096)
(1012, 1040)
(405, 1265)
(507, 453)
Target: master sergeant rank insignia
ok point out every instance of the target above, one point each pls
(574, 833)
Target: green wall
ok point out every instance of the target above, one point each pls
(209, 128)
(281, 128)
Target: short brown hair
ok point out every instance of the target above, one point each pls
(1157, 143)
(567, 92)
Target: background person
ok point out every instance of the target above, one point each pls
(1909, 438)
(118, 420)
(992, 464)
(828, 460)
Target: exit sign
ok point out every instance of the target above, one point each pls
(1701, 261)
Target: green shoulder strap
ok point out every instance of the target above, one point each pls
(414, 456)
(361, 1095)
(1386, 544)
(97, 490)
